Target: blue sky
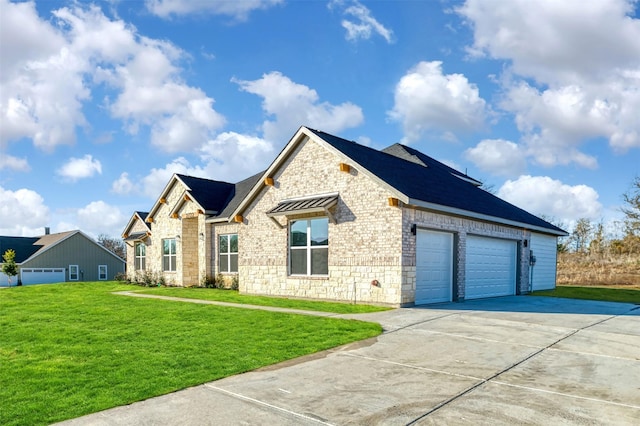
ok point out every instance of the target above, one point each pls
(100, 103)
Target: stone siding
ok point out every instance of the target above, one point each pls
(193, 248)
(137, 226)
(365, 243)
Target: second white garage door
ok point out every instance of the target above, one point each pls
(490, 267)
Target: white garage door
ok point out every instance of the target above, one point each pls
(490, 267)
(543, 273)
(434, 266)
(42, 275)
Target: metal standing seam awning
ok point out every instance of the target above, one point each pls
(317, 204)
(137, 236)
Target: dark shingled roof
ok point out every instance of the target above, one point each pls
(240, 190)
(143, 215)
(23, 246)
(212, 195)
(432, 184)
(413, 155)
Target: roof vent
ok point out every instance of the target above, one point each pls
(47, 230)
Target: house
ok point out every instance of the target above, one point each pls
(60, 257)
(332, 219)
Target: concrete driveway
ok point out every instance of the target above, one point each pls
(511, 360)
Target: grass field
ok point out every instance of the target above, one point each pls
(71, 349)
(234, 297)
(593, 293)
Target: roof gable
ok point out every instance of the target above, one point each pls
(136, 217)
(210, 196)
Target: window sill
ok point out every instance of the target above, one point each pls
(308, 277)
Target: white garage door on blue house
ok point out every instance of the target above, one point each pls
(42, 275)
(490, 267)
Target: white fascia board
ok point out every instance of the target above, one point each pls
(181, 202)
(473, 215)
(163, 194)
(217, 220)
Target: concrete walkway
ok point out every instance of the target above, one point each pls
(511, 360)
(228, 304)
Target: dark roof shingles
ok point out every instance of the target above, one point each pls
(433, 184)
(23, 246)
(212, 195)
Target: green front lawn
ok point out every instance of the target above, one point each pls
(232, 296)
(593, 293)
(71, 349)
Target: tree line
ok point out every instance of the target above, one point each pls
(588, 237)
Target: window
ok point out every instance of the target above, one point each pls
(140, 256)
(309, 247)
(102, 272)
(169, 255)
(228, 252)
(74, 273)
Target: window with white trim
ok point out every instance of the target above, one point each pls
(228, 253)
(169, 255)
(309, 247)
(74, 273)
(140, 256)
(102, 272)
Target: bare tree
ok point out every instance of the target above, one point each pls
(631, 209)
(581, 234)
(114, 245)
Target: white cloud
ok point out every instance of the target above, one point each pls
(428, 100)
(111, 221)
(584, 58)
(123, 185)
(237, 9)
(45, 85)
(554, 41)
(156, 180)
(42, 91)
(22, 213)
(294, 105)
(232, 157)
(498, 157)
(363, 25)
(14, 163)
(80, 168)
(542, 195)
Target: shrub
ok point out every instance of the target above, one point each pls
(235, 283)
(219, 282)
(208, 281)
(122, 277)
(148, 279)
